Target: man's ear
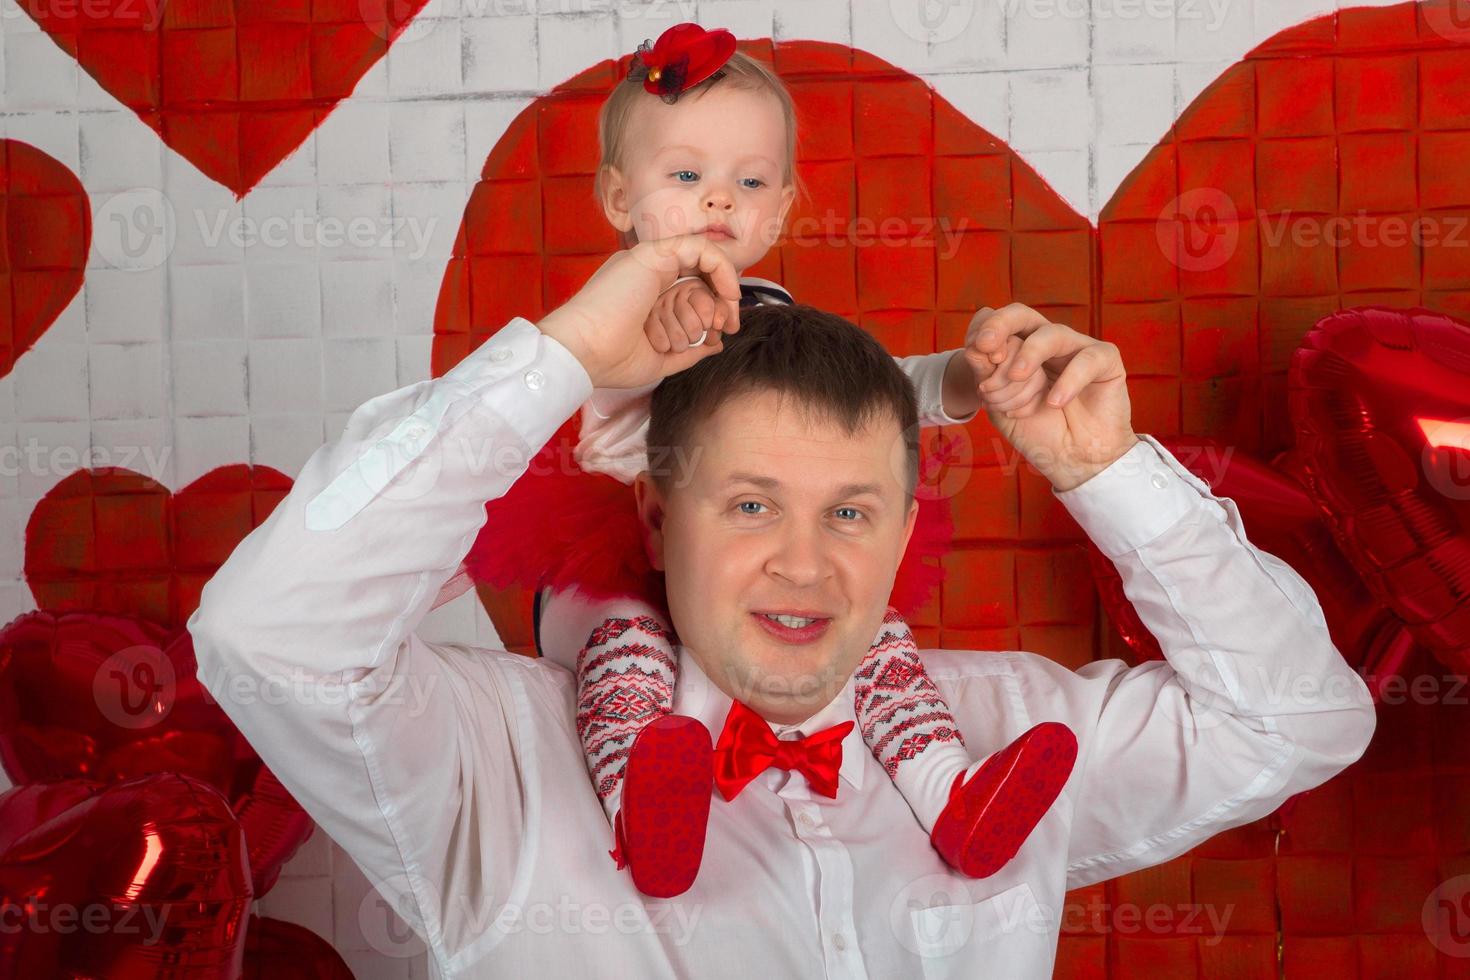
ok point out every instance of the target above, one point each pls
(615, 200)
(651, 512)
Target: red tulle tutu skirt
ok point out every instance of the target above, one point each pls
(560, 527)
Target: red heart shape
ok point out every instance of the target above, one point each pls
(46, 221)
(277, 950)
(110, 698)
(1297, 132)
(233, 88)
(114, 541)
(146, 878)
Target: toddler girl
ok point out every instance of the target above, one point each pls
(700, 138)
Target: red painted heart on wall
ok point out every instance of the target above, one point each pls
(1207, 267)
(233, 87)
(114, 541)
(46, 223)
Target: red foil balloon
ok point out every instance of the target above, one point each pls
(1281, 518)
(276, 950)
(109, 698)
(146, 879)
(1381, 403)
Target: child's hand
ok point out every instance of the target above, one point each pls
(992, 363)
(684, 315)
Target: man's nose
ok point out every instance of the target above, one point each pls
(800, 557)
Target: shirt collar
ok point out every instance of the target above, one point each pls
(698, 697)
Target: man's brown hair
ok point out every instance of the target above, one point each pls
(828, 366)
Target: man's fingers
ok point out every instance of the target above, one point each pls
(993, 328)
(1046, 342)
(1099, 361)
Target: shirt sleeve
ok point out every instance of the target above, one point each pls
(1252, 704)
(927, 373)
(305, 636)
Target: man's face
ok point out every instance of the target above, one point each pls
(710, 163)
(776, 513)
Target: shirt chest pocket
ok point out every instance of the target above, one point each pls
(1006, 935)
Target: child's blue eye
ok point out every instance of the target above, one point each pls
(681, 175)
(752, 183)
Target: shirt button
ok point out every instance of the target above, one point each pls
(839, 942)
(500, 354)
(806, 821)
(535, 380)
(1159, 480)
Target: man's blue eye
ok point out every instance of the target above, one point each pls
(852, 509)
(749, 503)
(680, 174)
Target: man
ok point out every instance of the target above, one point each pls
(454, 776)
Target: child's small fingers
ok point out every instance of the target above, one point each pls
(1029, 392)
(658, 337)
(689, 321)
(675, 332)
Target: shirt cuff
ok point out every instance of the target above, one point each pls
(929, 389)
(552, 382)
(1138, 497)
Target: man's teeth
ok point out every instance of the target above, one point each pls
(795, 622)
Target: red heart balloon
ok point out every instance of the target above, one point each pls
(1197, 267)
(276, 950)
(108, 698)
(46, 220)
(1280, 518)
(233, 87)
(141, 879)
(1381, 403)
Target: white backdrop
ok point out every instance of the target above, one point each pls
(213, 331)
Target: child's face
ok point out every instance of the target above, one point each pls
(707, 162)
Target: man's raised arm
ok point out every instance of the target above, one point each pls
(1253, 703)
(305, 635)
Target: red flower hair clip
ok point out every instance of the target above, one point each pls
(681, 58)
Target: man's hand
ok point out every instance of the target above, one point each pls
(684, 316)
(1059, 396)
(602, 325)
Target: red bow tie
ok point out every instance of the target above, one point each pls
(747, 747)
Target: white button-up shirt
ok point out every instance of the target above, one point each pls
(455, 779)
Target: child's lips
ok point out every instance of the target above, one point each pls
(718, 231)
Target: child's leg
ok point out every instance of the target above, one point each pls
(625, 681)
(652, 770)
(977, 813)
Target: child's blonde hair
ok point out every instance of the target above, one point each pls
(741, 71)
